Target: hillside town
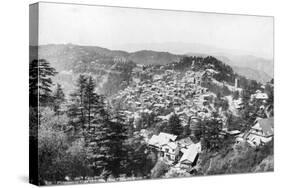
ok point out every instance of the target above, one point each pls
(121, 94)
(127, 121)
(168, 92)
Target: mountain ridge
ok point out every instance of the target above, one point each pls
(65, 56)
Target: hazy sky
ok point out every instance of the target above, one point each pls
(112, 27)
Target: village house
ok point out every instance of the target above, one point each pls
(157, 141)
(165, 144)
(169, 151)
(261, 133)
(259, 95)
(183, 151)
(190, 155)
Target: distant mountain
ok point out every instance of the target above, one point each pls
(251, 67)
(106, 66)
(231, 57)
(67, 56)
(148, 57)
(252, 74)
(248, 61)
(79, 58)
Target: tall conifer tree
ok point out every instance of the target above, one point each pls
(40, 81)
(58, 99)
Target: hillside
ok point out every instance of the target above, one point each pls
(252, 74)
(148, 57)
(66, 57)
(134, 98)
(253, 68)
(232, 57)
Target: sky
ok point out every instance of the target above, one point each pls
(124, 28)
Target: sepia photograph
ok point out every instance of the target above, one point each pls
(121, 94)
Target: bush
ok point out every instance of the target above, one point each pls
(243, 159)
(52, 146)
(78, 162)
(159, 169)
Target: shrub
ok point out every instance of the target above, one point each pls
(159, 169)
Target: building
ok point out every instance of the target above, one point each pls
(190, 155)
(261, 133)
(183, 151)
(169, 151)
(259, 96)
(158, 141)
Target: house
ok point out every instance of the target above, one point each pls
(190, 155)
(261, 133)
(259, 95)
(165, 144)
(154, 142)
(157, 141)
(169, 150)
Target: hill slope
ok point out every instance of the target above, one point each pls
(79, 58)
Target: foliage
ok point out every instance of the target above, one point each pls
(52, 146)
(174, 125)
(269, 90)
(78, 160)
(221, 102)
(139, 160)
(225, 72)
(58, 99)
(91, 138)
(241, 159)
(76, 111)
(40, 82)
(117, 134)
(159, 169)
(211, 129)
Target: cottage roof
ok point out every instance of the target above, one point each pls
(167, 136)
(172, 145)
(162, 139)
(189, 154)
(265, 125)
(261, 96)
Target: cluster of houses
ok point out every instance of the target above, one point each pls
(183, 93)
(183, 152)
(167, 90)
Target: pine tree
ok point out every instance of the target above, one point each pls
(107, 136)
(104, 134)
(40, 82)
(91, 121)
(97, 142)
(91, 101)
(210, 134)
(76, 110)
(118, 134)
(174, 125)
(58, 99)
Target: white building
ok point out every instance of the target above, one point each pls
(261, 133)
